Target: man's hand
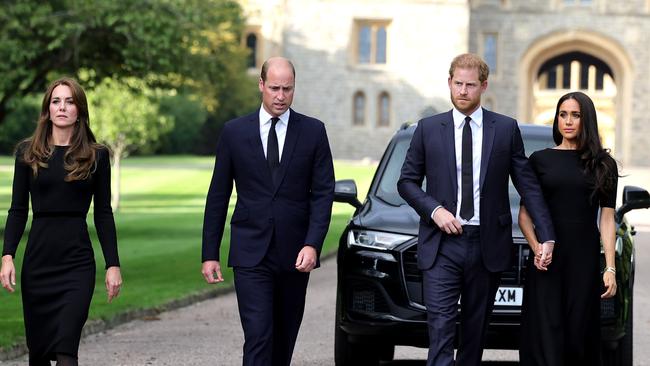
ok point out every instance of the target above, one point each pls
(8, 273)
(447, 222)
(306, 260)
(113, 282)
(209, 268)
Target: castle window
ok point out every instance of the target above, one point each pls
(383, 110)
(253, 41)
(371, 41)
(490, 51)
(359, 109)
(251, 45)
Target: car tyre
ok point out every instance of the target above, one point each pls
(386, 352)
(625, 345)
(348, 353)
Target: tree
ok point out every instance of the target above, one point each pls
(166, 43)
(125, 117)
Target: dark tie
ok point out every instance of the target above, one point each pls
(272, 151)
(467, 179)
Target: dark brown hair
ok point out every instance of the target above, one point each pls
(79, 159)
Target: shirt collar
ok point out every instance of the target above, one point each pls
(459, 118)
(265, 117)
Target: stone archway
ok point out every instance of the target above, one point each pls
(599, 47)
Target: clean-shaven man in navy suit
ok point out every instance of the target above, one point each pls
(465, 235)
(281, 164)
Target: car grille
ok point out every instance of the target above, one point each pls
(366, 298)
(608, 308)
(413, 276)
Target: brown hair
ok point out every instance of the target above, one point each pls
(79, 159)
(470, 61)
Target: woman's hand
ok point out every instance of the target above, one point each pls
(8, 273)
(609, 279)
(113, 282)
(543, 255)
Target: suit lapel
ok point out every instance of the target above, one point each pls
(290, 141)
(488, 140)
(257, 149)
(448, 138)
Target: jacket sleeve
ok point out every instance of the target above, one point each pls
(413, 172)
(322, 193)
(525, 181)
(216, 205)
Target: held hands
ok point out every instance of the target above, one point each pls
(609, 279)
(306, 260)
(447, 222)
(8, 273)
(543, 255)
(113, 282)
(209, 269)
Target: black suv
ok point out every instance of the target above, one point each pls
(379, 290)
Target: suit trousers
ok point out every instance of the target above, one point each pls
(458, 273)
(271, 303)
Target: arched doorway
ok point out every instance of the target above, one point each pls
(578, 60)
(573, 71)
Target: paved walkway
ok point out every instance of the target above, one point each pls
(209, 333)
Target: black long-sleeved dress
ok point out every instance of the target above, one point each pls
(58, 273)
(561, 310)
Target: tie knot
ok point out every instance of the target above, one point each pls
(468, 119)
(274, 121)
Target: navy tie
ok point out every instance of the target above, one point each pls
(272, 151)
(467, 172)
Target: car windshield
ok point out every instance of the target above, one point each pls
(387, 186)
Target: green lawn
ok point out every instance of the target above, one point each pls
(159, 232)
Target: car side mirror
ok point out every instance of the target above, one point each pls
(633, 198)
(345, 191)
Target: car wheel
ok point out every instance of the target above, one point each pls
(625, 354)
(620, 353)
(348, 353)
(387, 352)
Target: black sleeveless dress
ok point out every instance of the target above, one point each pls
(561, 308)
(58, 273)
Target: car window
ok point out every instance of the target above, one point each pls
(387, 186)
(531, 144)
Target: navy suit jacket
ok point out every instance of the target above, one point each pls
(432, 154)
(295, 212)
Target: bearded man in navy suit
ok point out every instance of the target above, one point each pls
(465, 235)
(281, 164)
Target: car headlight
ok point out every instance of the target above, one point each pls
(376, 239)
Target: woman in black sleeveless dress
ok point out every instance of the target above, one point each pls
(561, 309)
(62, 168)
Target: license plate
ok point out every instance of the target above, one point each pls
(509, 296)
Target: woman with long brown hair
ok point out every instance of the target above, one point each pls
(62, 168)
(561, 309)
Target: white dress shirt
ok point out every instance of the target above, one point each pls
(477, 142)
(280, 129)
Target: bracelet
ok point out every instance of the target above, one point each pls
(610, 269)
